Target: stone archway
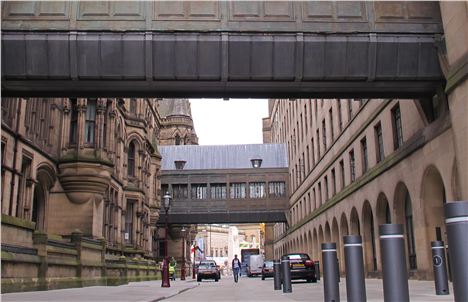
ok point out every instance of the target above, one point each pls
(433, 199)
(335, 231)
(327, 232)
(46, 177)
(315, 244)
(355, 225)
(368, 238)
(310, 247)
(383, 212)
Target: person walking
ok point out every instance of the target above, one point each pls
(236, 266)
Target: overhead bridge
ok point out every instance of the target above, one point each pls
(224, 184)
(220, 49)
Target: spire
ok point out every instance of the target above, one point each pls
(174, 107)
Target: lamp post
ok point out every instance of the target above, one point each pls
(194, 260)
(165, 273)
(182, 269)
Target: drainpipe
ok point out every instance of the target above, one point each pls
(15, 151)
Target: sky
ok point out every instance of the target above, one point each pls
(237, 121)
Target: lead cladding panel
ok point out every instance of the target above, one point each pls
(133, 59)
(186, 57)
(209, 57)
(239, 57)
(314, 57)
(88, 55)
(284, 57)
(163, 57)
(111, 55)
(36, 52)
(14, 55)
(58, 56)
(262, 58)
(336, 57)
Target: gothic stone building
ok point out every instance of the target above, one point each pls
(80, 191)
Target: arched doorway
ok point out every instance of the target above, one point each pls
(336, 239)
(315, 245)
(45, 180)
(355, 226)
(370, 250)
(404, 215)
(383, 211)
(327, 232)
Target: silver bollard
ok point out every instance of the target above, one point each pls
(331, 277)
(286, 274)
(394, 272)
(440, 268)
(354, 263)
(277, 274)
(456, 221)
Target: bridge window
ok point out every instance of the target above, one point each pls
(180, 191)
(199, 191)
(397, 128)
(257, 190)
(90, 122)
(277, 189)
(218, 191)
(131, 160)
(237, 190)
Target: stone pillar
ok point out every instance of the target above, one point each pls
(40, 243)
(455, 22)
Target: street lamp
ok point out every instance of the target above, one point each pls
(165, 273)
(182, 270)
(256, 162)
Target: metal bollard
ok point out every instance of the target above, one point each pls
(317, 270)
(440, 268)
(394, 272)
(277, 274)
(330, 273)
(456, 221)
(286, 274)
(354, 263)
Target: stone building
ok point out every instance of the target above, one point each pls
(355, 164)
(80, 191)
(177, 122)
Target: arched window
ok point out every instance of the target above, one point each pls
(131, 160)
(90, 123)
(410, 232)
(73, 122)
(177, 139)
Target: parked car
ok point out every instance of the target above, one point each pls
(211, 263)
(302, 267)
(207, 271)
(267, 269)
(255, 265)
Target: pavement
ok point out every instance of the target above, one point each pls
(248, 289)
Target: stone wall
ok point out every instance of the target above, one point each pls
(43, 262)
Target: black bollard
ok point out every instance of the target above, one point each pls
(317, 269)
(354, 263)
(394, 272)
(277, 274)
(330, 273)
(456, 221)
(286, 274)
(440, 268)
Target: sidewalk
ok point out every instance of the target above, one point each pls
(145, 291)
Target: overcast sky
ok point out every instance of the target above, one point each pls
(237, 121)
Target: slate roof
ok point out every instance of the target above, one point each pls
(224, 156)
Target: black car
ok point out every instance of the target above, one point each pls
(207, 271)
(302, 267)
(267, 270)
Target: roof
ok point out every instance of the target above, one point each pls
(174, 107)
(224, 156)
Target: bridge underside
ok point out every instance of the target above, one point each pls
(214, 64)
(232, 217)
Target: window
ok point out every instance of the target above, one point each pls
(90, 122)
(342, 172)
(73, 122)
(313, 153)
(133, 106)
(180, 191)
(257, 190)
(199, 191)
(340, 118)
(397, 128)
(330, 113)
(318, 145)
(326, 188)
(24, 193)
(177, 139)
(131, 160)
(333, 182)
(277, 189)
(218, 191)
(352, 167)
(129, 221)
(237, 190)
(350, 109)
(320, 193)
(324, 136)
(379, 142)
(365, 162)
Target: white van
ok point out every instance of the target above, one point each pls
(255, 265)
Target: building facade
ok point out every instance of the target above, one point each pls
(355, 164)
(80, 191)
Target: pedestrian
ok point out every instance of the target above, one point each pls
(172, 269)
(236, 266)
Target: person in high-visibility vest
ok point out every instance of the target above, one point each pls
(172, 269)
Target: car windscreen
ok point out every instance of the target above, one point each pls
(298, 257)
(204, 266)
(268, 263)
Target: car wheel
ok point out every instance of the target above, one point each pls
(216, 279)
(263, 277)
(314, 280)
(199, 279)
(309, 280)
